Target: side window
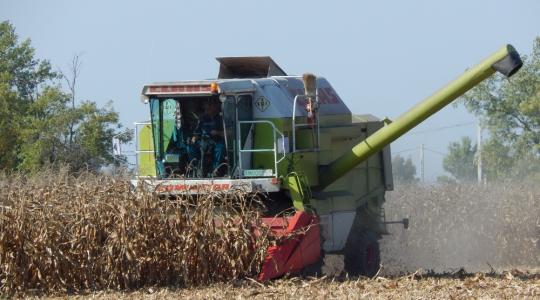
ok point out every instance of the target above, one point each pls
(163, 113)
(156, 125)
(169, 122)
(229, 118)
(245, 113)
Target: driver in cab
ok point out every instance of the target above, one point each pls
(210, 126)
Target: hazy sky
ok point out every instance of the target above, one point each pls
(381, 56)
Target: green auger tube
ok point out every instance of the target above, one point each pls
(506, 61)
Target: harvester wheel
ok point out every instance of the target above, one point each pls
(362, 254)
(315, 269)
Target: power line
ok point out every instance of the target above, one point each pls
(416, 149)
(435, 151)
(406, 150)
(442, 128)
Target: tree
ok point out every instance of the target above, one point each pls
(94, 132)
(460, 160)
(40, 123)
(25, 72)
(497, 159)
(510, 110)
(20, 77)
(404, 170)
(71, 80)
(90, 128)
(9, 124)
(44, 124)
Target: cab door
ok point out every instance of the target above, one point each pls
(238, 135)
(229, 128)
(244, 105)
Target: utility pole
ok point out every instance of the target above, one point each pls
(479, 152)
(422, 163)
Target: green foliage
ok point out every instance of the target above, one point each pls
(460, 160)
(44, 123)
(404, 170)
(94, 133)
(9, 124)
(39, 125)
(510, 110)
(20, 75)
(497, 161)
(26, 72)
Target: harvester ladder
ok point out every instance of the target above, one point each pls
(314, 125)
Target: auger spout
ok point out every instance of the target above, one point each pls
(505, 61)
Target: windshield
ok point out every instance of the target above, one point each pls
(189, 137)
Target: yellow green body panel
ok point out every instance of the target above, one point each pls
(364, 184)
(297, 185)
(306, 162)
(146, 160)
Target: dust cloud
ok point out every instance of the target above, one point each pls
(491, 227)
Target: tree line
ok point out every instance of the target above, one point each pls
(43, 125)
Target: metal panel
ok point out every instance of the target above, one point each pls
(248, 67)
(335, 228)
(236, 86)
(280, 93)
(204, 186)
(387, 168)
(342, 223)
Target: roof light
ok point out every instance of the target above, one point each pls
(214, 88)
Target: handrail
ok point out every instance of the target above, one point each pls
(274, 149)
(294, 125)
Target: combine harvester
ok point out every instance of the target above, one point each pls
(324, 170)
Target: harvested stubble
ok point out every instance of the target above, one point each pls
(60, 233)
(509, 285)
(476, 227)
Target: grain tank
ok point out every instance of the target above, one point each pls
(292, 138)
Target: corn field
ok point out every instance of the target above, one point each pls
(89, 234)
(60, 233)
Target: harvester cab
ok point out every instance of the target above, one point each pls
(323, 170)
(246, 130)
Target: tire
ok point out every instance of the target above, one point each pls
(314, 270)
(330, 265)
(362, 254)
